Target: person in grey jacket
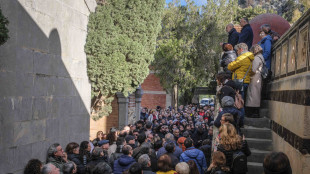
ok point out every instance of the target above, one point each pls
(145, 162)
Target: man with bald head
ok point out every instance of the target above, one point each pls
(233, 35)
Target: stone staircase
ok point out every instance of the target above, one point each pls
(258, 135)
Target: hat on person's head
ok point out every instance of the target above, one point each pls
(227, 101)
(129, 137)
(102, 142)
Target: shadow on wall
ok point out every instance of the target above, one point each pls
(39, 102)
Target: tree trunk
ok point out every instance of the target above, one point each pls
(175, 96)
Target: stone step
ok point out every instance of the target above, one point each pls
(264, 112)
(255, 168)
(260, 144)
(257, 155)
(254, 132)
(257, 122)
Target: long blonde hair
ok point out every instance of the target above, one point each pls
(230, 140)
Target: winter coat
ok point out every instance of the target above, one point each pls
(196, 155)
(199, 137)
(57, 162)
(229, 153)
(112, 149)
(227, 90)
(232, 110)
(92, 164)
(75, 158)
(240, 66)
(266, 44)
(178, 151)
(228, 56)
(174, 159)
(113, 157)
(246, 35)
(123, 163)
(147, 170)
(233, 37)
(255, 87)
(206, 149)
(143, 116)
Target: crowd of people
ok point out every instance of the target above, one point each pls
(180, 140)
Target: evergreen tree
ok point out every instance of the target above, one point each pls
(120, 46)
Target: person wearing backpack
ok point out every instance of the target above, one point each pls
(253, 98)
(218, 165)
(234, 147)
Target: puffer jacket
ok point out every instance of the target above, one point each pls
(76, 160)
(57, 162)
(240, 66)
(196, 155)
(123, 163)
(228, 56)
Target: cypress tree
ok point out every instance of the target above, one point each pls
(120, 46)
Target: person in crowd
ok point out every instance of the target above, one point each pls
(100, 136)
(246, 35)
(125, 161)
(274, 35)
(169, 138)
(112, 137)
(56, 156)
(73, 150)
(253, 98)
(277, 162)
(102, 168)
(218, 164)
(97, 157)
(165, 165)
(143, 114)
(148, 127)
(228, 107)
(131, 141)
(228, 87)
(199, 135)
(266, 44)
(69, 168)
(50, 168)
(33, 167)
(233, 35)
(193, 167)
(145, 162)
(241, 68)
(206, 149)
(228, 56)
(182, 139)
(120, 142)
(191, 153)
(182, 168)
(135, 169)
(231, 142)
(176, 134)
(84, 153)
(170, 148)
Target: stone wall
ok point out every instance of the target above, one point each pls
(44, 88)
(289, 95)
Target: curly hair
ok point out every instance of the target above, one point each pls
(33, 167)
(219, 160)
(230, 140)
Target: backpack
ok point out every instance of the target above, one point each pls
(239, 163)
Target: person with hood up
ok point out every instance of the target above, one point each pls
(266, 44)
(125, 161)
(191, 153)
(228, 107)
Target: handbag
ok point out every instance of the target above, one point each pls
(239, 102)
(239, 82)
(264, 71)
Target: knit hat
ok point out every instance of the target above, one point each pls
(227, 101)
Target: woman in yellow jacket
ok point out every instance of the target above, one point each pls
(164, 165)
(241, 68)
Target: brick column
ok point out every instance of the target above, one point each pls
(138, 95)
(122, 110)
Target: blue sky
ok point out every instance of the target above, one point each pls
(198, 2)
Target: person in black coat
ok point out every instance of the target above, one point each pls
(170, 148)
(198, 136)
(228, 56)
(246, 35)
(233, 35)
(72, 150)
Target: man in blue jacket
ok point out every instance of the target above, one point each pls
(125, 161)
(191, 153)
(246, 35)
(233, 35)
(266, 44)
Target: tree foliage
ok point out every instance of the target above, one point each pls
(4, 32)
(120, 46)
(249, 12)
